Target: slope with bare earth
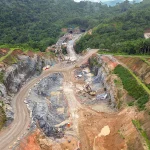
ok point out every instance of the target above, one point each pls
(138, 66)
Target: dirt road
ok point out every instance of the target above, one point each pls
(70, 50)
(18, 128)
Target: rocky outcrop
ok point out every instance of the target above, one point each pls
(47, 105)
(16, 75)
(3, 91)
(102, 67)
(26, 68)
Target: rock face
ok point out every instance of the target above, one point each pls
(102, 67)
(47, 105)
(3, 91)
(16, 75)
(26, 68)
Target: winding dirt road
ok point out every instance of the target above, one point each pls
(18, 128)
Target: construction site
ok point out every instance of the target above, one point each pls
(78, 103)
(81, 107)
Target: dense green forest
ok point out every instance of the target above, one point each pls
(123, 33)
(37, 24)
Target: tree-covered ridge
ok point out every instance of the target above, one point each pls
(37, 23)
(122, 33)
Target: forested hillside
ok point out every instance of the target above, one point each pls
(37, 24)
(123, 33)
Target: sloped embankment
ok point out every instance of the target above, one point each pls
(138, 65)
(131, 136)
(102, 66)
(15, 69)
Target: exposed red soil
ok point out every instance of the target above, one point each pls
(30, 53)
(122, 131)
(32, 142)
(3, 51)
(38, 141)
(123, 134)
(138, 66)
(111, 63)
(17, 52)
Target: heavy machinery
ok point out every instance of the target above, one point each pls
(88, 90)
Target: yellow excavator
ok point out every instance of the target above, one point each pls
(89, 90)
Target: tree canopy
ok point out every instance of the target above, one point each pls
(121, 33)
(37, 23)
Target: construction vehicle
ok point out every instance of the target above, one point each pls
(92, 93)
(88, 90)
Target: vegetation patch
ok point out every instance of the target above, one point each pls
(2, 117)
(120, 133)
(10, 60)
(123, 33)
(1, 77)
(142, 132)
(131, 85)
(118, 82)
(64, 50)
(148, 85)
(38, 24)
(94, 62)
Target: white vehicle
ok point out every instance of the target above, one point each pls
(104, 96)
(101, 96)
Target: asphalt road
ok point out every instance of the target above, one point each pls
(22, 119)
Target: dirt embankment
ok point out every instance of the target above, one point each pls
(120, 133)
(138, 66)
(96, 131)
(13, 57)
(16, 67)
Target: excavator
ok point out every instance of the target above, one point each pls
(88, 90)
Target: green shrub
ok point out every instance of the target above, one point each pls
(1, 77)
(148, 85)
(133, 88)
(130, 103)
(142, 132)
(94, 62)
(2, 117)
